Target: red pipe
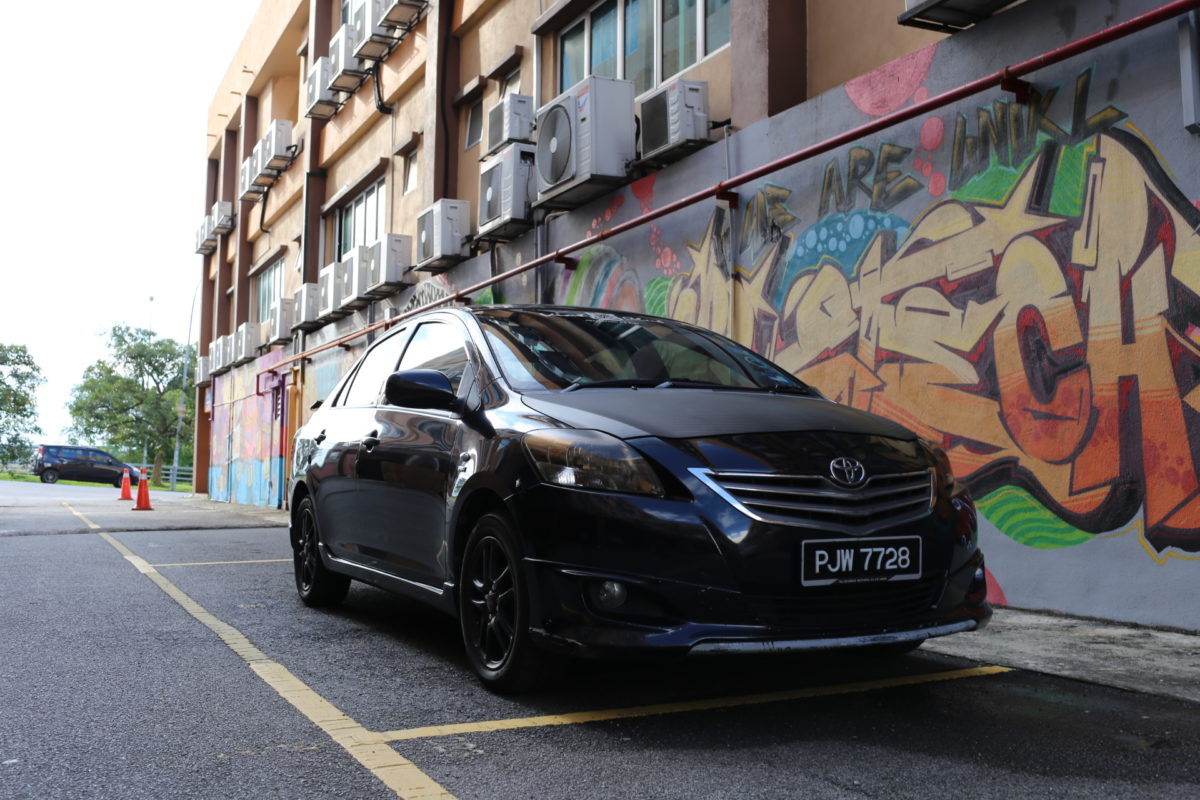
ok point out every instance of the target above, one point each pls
(999, 78)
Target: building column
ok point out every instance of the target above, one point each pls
(769, 39)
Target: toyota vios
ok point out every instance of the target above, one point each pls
(588, 482)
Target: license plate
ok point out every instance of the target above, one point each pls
(826, 561)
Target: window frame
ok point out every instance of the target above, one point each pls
(473, 109)
(411, 178)
(354, 211)
(272, 273)
(657, 78)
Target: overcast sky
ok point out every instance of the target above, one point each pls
(103, 185)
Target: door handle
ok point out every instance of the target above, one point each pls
(370, 441)
(320, 437)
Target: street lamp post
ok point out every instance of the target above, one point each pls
(181, 408)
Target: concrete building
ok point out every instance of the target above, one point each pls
(1013, 274)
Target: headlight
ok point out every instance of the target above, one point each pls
(590, 460)
(941, 463)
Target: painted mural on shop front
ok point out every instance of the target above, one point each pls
(246, 462)
(1023, 290)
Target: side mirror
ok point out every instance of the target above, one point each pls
(420, 388)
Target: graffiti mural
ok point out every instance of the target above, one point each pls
(1039, 318)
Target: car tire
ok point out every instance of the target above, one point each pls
(317, 586)
(49, 476)
(493, 610)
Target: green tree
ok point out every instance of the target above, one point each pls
(19, 379)
(130, 402)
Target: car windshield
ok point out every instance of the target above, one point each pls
(540, 351)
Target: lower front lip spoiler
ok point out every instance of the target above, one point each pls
(794, 645)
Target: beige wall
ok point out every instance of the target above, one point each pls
(847, 38)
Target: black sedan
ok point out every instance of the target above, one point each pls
(596, 483)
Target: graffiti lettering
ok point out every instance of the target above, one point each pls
(888, 186)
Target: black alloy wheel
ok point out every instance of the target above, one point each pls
(494, 611)
(50, 476)
(316, 585)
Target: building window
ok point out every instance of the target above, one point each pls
(716, 25)
(620, 39)
(410, 172)
(512, 84)
(474, 124)
(268, 286)
(570, 58)
(346, 13)
(361, 220)
(678, 35)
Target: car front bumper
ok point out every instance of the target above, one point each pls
(688, 589)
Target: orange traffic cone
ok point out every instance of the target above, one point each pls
(143, 498)
(125, 493)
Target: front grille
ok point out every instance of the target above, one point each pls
(814, 501)
(851, 606)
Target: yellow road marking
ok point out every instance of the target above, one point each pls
(86, 521)
(368, 748)
(577, 717)
(220, 563)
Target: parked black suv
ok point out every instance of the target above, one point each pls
(54, 461)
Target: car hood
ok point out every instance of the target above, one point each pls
(695, 413)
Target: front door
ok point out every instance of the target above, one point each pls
(408, 476)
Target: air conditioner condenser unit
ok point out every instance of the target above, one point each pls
(202, 373)
(442, 229)
(389, 265)
(276, 153)
(506, 192)
(329, 302)
(510, 120)
(585, 141)
(372, 39)
(248, 190)
(222, 217)
(320, 102)
(674, 120)
(346, 71)
(306, 302)
(281, 321)
(245, 342)
(351, 278)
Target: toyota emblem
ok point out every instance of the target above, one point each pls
(847, 471)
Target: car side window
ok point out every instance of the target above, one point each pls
(367, 384)
(439, 346)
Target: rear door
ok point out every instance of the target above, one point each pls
(407, 478)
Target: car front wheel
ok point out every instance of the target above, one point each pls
(494, 611)
(49, 476)
(316, 585)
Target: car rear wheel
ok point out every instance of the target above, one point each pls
(49, 476)
(316, 585)
(494, 610)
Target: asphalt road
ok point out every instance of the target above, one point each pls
(164, 654)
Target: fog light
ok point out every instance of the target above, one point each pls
(980, 578)
(609, 595)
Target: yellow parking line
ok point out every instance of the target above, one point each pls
(86, 521)
(396, 772)
(577, 717)
(220, 563)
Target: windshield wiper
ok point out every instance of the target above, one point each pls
(689, 383)
(613, 383)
